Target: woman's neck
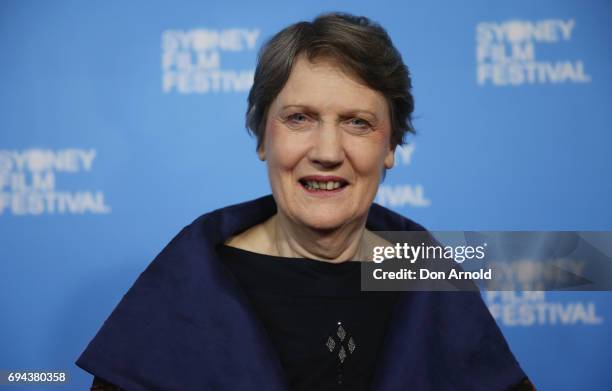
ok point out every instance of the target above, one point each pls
(279, 237)
(287, 239)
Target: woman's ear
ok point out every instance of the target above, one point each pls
(390, 158)
(261, 153)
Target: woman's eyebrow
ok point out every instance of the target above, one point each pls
(352, 113)
(298, 106)
(347, 113)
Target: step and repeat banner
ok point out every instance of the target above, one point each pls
(124, 121)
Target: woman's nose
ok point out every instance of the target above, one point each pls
(327, 149)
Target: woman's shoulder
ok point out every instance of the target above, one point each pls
(381, 218)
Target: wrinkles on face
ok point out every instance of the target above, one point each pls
(326, 128)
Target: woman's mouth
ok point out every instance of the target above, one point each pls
(323, 184)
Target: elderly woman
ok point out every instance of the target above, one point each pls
(265, 295)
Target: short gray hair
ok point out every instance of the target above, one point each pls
(359, 45)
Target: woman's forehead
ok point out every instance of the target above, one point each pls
(324, 84)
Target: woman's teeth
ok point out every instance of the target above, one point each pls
(331, 185)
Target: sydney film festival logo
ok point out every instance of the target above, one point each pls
(529, 309)
(507, 53)
(29, 178)
(193, 60)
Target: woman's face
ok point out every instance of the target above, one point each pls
(327, 141)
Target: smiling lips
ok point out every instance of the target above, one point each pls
(323, 183)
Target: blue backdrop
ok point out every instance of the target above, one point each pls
(123, 121)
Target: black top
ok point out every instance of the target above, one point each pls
(187, 298)
(326, 331)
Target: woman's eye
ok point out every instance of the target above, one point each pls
(359, 124)
(298, 121)
(297, 118)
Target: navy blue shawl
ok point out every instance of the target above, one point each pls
(186, 325)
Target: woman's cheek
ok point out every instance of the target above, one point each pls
(366, 158)
(288, 148)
